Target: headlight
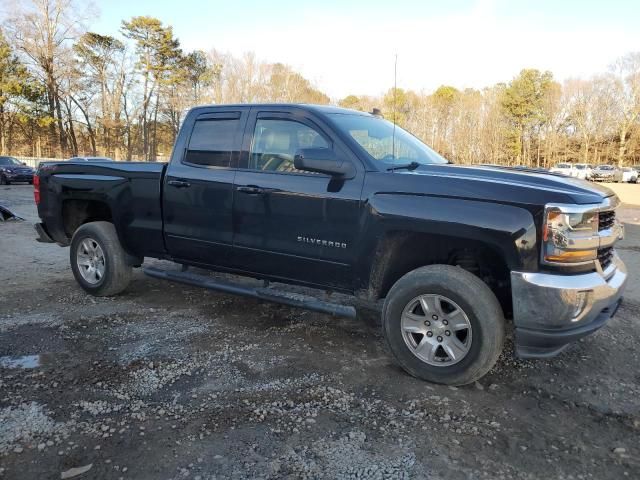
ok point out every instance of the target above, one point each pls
(570, 235)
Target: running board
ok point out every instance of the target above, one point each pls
(262, 293)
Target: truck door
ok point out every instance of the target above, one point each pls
(288, 223)
(198, 186)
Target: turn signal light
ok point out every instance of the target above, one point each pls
(573, 256)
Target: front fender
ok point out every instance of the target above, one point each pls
(507, 229)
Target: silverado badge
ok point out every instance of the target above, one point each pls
(322, 243)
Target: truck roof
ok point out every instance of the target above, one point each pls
(326, 109)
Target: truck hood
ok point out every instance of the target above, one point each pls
(513, 185)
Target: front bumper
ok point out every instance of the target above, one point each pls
(550, 310)
(19, 177)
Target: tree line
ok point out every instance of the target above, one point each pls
(533, 120)
(66, 90)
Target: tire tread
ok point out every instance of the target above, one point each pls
(484, 307)
(118, 271)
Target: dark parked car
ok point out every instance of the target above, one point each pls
(606, 173)
(90, 159)
(343, 201)
(13, 170)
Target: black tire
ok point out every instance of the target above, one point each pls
(117, 267)
(476, 300)
(4, 181)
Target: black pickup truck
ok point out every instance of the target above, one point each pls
(340, 200)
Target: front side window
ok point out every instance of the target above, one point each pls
(212, 142)
(275, 142)
(384, 143)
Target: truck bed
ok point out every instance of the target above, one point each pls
(131, 191)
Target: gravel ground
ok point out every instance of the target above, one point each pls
(172, 382)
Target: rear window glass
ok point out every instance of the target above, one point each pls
(212, 142)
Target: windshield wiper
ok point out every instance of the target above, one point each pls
(404, 166)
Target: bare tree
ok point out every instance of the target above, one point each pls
(626, 89)
(43, 30)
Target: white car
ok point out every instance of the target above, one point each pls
(582, 171)
(630, 175)
(563, 168)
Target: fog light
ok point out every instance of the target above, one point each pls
(580, 304)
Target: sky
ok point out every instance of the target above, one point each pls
(349, 47)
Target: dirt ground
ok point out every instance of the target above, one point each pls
(628, 193)
(172, 382)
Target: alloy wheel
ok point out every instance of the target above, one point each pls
(91, 261)
(436, 330)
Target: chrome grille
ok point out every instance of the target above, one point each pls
(606, 220)
(605, 256)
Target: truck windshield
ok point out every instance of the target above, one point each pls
(376, 137)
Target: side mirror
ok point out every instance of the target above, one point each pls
(323, 160)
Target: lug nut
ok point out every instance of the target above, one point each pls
(439, 339)
(446, 322)
(435, 317)
(447, 333)
(427, 323)
(429, 334)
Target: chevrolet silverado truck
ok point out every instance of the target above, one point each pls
(343, 201)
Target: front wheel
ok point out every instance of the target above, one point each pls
(443, 324)
(4, 180)
(98, 261)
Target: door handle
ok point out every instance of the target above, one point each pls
(179, 183)
(251, 190)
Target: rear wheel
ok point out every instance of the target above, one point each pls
(98, 261)
(443, 324)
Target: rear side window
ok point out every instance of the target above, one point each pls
(212, 142)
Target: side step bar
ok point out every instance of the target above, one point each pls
(267, 294)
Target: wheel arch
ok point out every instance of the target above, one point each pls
(400, 252)
(487, 239)
(77, 212)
